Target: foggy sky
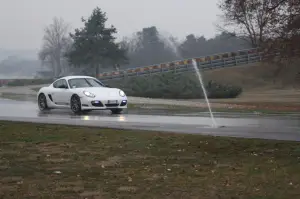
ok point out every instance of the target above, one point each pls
(22, 21)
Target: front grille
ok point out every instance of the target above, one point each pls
(97, 103)
(111, 105)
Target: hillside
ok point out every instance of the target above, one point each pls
(258, 76)
(263, 84)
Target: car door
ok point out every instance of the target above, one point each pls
(61, 92)
(64, 95)
(58, 88)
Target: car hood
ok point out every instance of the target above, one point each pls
(100, 91)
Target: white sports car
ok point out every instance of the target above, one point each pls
(81, 94)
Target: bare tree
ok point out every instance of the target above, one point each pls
(47, 58)
(248, 18)
(55, 44)
(273, 25)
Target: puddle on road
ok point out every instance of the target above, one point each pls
(132, 109)
(149, 109)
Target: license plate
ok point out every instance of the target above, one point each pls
(112, 101)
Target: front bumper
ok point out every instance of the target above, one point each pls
(103, 104)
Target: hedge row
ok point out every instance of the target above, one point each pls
(183, 86)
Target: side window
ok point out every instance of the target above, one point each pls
(57, 84)
(64, 83)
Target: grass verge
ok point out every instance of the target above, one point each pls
(54, 161)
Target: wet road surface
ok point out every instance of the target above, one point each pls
(280, 128)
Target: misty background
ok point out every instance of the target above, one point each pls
(152, 32)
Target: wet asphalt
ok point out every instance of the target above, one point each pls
(280, 127)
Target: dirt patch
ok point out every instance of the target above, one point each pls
(53, 148)
(76, 186)
(111, 161)
(57, 160)
(11, 179)
(127, 189)
(91, 194)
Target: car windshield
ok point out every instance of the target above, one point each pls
(84, 82)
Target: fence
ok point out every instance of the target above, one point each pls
(204, 63)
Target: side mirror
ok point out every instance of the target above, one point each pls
(106, 85)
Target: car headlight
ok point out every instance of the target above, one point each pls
(122, 94)
(88, 94)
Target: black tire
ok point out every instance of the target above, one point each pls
(75, 104)
(116, 110)
(42, 102)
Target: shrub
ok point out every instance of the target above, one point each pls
(173, 86)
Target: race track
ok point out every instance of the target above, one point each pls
(279, 128)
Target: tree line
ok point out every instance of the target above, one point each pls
(273, 25)
(93, 48)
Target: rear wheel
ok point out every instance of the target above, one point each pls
(75, 104)
(116, 110)
(42, 102)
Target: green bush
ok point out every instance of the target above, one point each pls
(173, 86)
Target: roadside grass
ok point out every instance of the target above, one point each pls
(56, 161)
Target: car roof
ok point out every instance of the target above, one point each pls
(74, 77)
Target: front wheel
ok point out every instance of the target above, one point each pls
(116, 110)
(42, 102)
(75, 104)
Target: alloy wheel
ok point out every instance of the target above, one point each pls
(42, 102)
(75, 104)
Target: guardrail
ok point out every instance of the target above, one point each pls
(222, 60)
